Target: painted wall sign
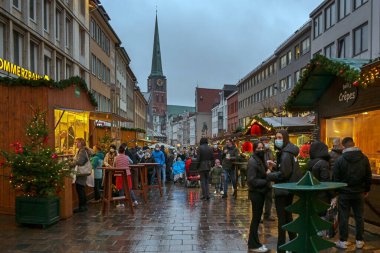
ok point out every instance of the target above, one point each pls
(348, 94)
(19, 71)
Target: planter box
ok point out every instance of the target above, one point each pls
(38, 211)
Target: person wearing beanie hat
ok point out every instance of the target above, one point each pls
(286, 159)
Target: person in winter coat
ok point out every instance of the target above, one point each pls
(258, 187)
(335, 152)
(159, 157)
(110, 156)
(149, 159)
(163, 169)
(319, 166)
(230, 153)
(80, 159)
(216, 176)
(178, 169)
(217, 153)
(352, 168)
(204, 159)
(97, 163)
(286, 159)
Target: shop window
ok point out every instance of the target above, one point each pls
(343, 47)
(330, 16)
(318, 28)
(305, 46)
(361, 39)
(343, 8)
(18, 46)
(70, 125)
(32, 10)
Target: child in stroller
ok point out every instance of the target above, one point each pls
(179, 170)
(192, 176)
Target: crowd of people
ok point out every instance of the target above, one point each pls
(344, 163)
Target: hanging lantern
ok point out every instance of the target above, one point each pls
(256, 130)
(247, 147)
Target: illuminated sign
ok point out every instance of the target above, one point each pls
(19, 71)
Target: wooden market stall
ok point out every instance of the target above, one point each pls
(67, 104)
(344, 93)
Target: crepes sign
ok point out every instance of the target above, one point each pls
(19, 71)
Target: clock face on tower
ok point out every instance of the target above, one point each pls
(160, 82)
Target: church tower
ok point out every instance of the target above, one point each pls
(157, 88)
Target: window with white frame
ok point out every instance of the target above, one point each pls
(330, 16)
(58, 18)
(32, 10)
(68, 32)
(93, 64)
(58, 69)
(283, 85)
(46, 15)
(92, 28)
(329, 50)
(47, 65)
(69, 70)
(305, 46)
(33, 59)
(274, 86)
(283, 62)
(18, 46)
(16, 4)
(289, 83)
(361, 39)
(289, 57)
(2, 39)
(297, 52)
(82, 7)
(358, 3)
(343, 8)
(98, 68)
(297, 76)
(343, 47)
(318, 28)
(82, 41)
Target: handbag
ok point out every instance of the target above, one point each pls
(84, 170)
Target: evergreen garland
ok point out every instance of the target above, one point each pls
(339, 69)
(63, 84)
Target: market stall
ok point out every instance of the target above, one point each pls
(345, 96)
(18, 99)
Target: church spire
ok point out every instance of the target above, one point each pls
(156, 58)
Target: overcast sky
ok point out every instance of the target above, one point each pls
(204, 42)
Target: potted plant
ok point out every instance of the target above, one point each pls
(36, 174)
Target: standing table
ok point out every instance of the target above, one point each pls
(144, 181)
(109, 172)
(143, 190)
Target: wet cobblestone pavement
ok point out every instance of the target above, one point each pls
(177, 222)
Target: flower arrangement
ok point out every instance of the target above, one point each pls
(35, 169)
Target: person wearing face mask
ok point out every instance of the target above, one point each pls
(269, 161)
(159, 157)
(258, 187)
(110, 156)
(286, 160)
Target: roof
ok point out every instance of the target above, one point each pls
(317, 78)
(173, 110)
(152, 133)
(156, 57)
(290, 121)
(232, 94)
(146, 96)
(296, 35)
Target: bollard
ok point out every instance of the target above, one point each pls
(308, 224)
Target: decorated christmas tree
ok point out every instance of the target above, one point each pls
(35, 169)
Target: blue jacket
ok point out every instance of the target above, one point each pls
(159, 157)
(178, 167)
(97, 163)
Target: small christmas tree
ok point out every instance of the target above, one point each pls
(35, 169)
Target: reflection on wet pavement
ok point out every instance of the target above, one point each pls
(177, 222)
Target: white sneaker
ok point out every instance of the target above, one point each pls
(221, 192)
(261, 249)
(215, 192)
(341, 244)
(120, 205)
(135, 203)
(359, 244)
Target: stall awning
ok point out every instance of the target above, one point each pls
(319, 75)
(278, 122)
(108, 117)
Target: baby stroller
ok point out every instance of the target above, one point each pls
(179, 172)
(193, 179)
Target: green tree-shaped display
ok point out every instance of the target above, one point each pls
(35, 169)
(308, 223)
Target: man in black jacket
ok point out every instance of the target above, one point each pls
(353, 169)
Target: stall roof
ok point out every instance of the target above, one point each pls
(321, 72)
(108, 117)
(278, 122)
